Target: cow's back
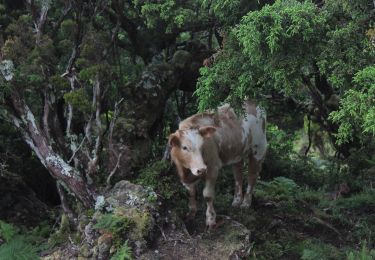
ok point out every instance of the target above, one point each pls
(234, 136)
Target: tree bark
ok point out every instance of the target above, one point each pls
(24, 120)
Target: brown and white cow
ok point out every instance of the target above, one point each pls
(206, 142)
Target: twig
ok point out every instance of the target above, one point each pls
(79, 147)
(114, 170)
(329, 226)
(309, 135)
(163, 234)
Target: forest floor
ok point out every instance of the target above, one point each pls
(286, 221)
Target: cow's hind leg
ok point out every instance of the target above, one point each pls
(254, 169)
(238, 176)
(191, 187)
(209, 195)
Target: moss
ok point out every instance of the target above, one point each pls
(156, 176)
(85, 250)
(142, 222)
(62, 234)
(117, 224)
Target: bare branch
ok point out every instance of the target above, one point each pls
(309, 134)
(42, 20)
(114, 170)
(96, 106)
(46, 110)
(113, 39)
(114, 118)
(78, 148)
(72, 79)
(64, 202)
(77, 43)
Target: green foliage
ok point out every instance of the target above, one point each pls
(169, 14)
(280, 188)
(364, 254)
(356, 115)
(314, 249)
(20, 244)
(18, 249)
(123, 253)
(280, 141)
(157, 177)
(228, 80)
(293, 49)
(286, 27)
(7, 231)
(361, 201)
(79, 99)
(116, 224)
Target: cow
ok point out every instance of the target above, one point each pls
(206, 142)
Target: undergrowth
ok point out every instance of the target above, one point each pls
(23, 244)
(123, 253)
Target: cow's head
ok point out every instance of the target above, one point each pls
(187, 148)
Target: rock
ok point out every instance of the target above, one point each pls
(128, 213)
(137, 204)
(129, 195)
(85, 251)
(181, 59)
(104, 246)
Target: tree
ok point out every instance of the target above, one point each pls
(302, 52)
(86, 82)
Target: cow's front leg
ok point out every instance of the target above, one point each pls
(254, 169)
(209, 195)
(238, 175)
(192, 200)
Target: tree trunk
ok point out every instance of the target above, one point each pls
(24, 120)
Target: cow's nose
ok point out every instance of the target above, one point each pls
(201, 171)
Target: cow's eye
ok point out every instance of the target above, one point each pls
(184, 148)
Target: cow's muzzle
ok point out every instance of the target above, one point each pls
(199, 171)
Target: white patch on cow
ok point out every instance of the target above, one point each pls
(196, 142)
(195, 138)
(251, 125)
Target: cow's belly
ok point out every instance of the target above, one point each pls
(231, 147)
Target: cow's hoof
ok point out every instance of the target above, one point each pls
(236, 203)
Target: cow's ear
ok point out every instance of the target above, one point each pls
(207, 131)
(174, 140)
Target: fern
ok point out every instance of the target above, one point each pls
(123, 253)
(25, 245)
(364, 254)
(18, 249)
(316, 250)
(7, 231)
(280, 188)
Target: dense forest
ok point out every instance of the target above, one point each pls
(90, 90)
